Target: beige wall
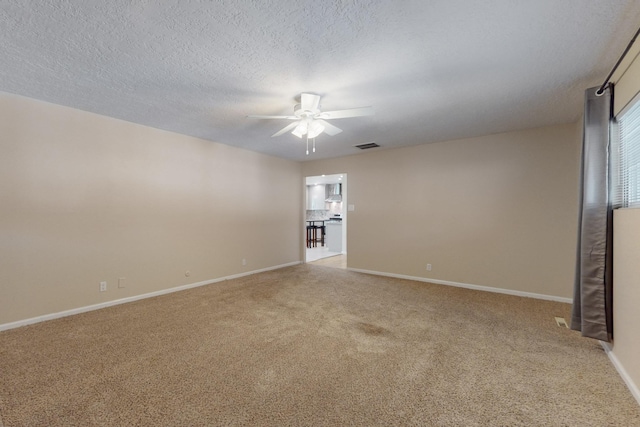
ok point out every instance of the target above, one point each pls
(85, 198)
(626, 291)
(497, 211)
(626, 269)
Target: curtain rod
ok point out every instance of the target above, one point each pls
(615, 67)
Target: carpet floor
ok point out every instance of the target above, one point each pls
(312, 346)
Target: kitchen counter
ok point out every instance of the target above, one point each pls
(323, 221)
(313, 221)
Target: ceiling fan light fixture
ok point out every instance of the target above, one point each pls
(300, 130)
(315, 129)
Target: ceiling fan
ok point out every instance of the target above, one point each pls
(311, 121)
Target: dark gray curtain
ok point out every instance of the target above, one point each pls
(592, 312)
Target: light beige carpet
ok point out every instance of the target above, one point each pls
(311, 345)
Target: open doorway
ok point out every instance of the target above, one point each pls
(326, 220)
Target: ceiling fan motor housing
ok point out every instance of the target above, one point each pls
(299, 112)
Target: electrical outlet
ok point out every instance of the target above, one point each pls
(244, 261)
(428, 267)
(122, 282)
(103, 286)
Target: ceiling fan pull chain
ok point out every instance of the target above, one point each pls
(314, 145)
(307, 144)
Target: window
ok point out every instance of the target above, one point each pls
(626, 190)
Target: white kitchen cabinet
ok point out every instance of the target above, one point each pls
(334, 236)
(315, 197)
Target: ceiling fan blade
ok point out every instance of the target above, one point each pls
(352, 112)
(309, 102)
(285, 129)
(273, 117)
(329, 129)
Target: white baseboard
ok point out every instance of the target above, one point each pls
(19, 323)
(468, 286)
(633, 388)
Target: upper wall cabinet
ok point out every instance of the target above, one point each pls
(315, 197)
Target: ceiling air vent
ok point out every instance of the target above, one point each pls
(367, 145)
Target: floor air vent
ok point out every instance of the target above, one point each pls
(367, 145)
(561, 322)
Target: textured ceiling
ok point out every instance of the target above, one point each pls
(433, 70)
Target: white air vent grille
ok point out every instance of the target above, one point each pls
(561, 322)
